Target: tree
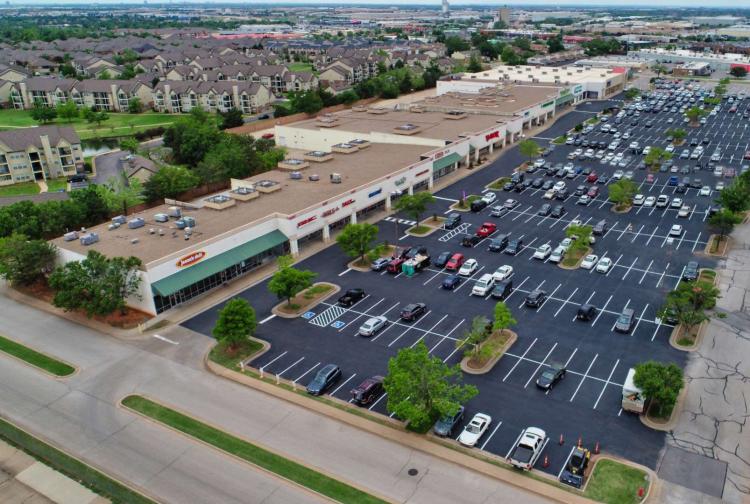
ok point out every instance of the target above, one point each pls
(688, 303)
(474, 337)
(130, 144)
(43, 114)
(95, 117)
(738, 71)
(169, 182)
(656, 155)
(694, 113)
(24, 261)
(105, 75)
(422, 388)
(659, 69)
(231, 118)
(661, 384)
(414, 205)
(68, 111)
(119, 196)
(234, 156)
(723, 222)
(510, 57)
(236, 323)
(191, 137)
(581, 236)
(621, 193)
(474, 65)
(455, 44)
(357, 239)
(632, 93)
(93, 208)
(287, 282)
(555, 44)
(529, 148)
(135, 106)
(736, 196)
(98, 285)
(677, 134)
(503, 317)
(308, 102)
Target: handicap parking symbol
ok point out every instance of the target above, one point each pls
(338, 324)
(308, 315)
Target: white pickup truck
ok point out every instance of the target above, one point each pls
(529, 447)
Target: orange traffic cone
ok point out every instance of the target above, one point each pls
(546, 461)
(562, 440)
(596, 448)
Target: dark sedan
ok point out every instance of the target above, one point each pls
(549, 377)
(451, 282)
(323, 379)
(413, 311)
(442, 259)
(535, 298)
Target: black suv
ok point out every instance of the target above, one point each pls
(478, 205)
(452, 221)
(413, 311)
(351, 296)
(503, 289)
(691, 271)
(323, 379)
(470, 241)
(535, 298)
(514, 247)
(442, 259)
(367, 391)
(544, 210)
(586, 312)
(445, 426)
(499, 243)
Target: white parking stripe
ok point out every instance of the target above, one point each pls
(409, 328)
(696, 242)
(446, 335)
(639, 320)
(646, 272)
(360, 315)
(431, 329)
(517, 288)
(274, 360)
(624, 308)
(583, 379)
(290, 367)
(520, 359)
(524, 301)
(601, 310)
(566, 461)
(679, 279)
(662, 275)
(303, 374)
(548, 298)
(630, 268)
(376, 402)
(342, 385)
(614, 265)
(490, 436)
(515, 443)
(566, 302)
(604, 387)
(536, 370)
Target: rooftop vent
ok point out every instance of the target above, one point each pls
(175, 212)
(218, 202)
(314, 177)
(120, 219)
(267, 186)
(406, 129)
(136, 223)
(73, 235)
(317, 156)
(89, 239)
(295, 175)
(185, 222)
(161, 217)
(335, 178)
(361, 144)
(243, 193)
(344, 148)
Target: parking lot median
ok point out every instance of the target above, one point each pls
(275, 463)
(489, 353)
(39, 360)
(308, 298)
(614, 482)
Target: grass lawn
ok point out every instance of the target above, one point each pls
(466, 202)
(118, 124)
(419, 229)
(306, 298)
(231, 359)
(560, 140)
(499, 183)
(35, 358)
(300, 66)
(54, 185)
(615, 483)
(75, 469)
(22, 189)
(270, 461)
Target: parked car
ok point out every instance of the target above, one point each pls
(543, 252)
(379, 264)
(323, 379)
(544, 210)
(586, 312)
(575, 469)
(451, 282)
(535, 298)
(470, 241)
(675, 230)
(503, 289)
(690, 272)
(372, 326)
(486, 229)
(483, 286)
(351, 296)
(503, 272)
(604, 265)
(455, 262)
(413, 311)
(589, 261)
(514, 247)
(557, 255)
(625, 321)
(452, 221)
(600, 227)
(549, 377)
(368, 391)
(475, 429)
(442, 259)
(445, 426)
(468, 267)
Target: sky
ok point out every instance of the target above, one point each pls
(545, 3)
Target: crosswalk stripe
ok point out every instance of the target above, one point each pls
(324, 318)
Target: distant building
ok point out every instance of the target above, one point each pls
(691, 69)
(504, 15)
(446, 8)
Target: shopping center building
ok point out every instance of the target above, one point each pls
(339, 168)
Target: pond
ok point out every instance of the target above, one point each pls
(96, 146)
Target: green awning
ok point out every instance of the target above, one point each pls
(445, 161)
(213, 265)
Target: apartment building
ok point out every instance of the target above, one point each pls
(218, 96)
(109, 95)
(39, 153)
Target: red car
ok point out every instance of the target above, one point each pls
(650, 178)
(593, 191)
(593, 177)
(487, 229)
(455, 262)
(267, 136)
(399, 257)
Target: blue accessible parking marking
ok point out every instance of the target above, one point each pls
(308, 315)
(338, 324)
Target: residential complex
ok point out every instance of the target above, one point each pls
(38, 154)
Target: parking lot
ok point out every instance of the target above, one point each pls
(647, 263)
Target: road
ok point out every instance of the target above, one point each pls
(81, 415)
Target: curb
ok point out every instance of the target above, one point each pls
(240, 459)
(489, 465)
(673, 418)
(76, 369)
(276, 310)
(491, 364)
(653, 479)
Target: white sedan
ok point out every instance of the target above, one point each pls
(489, 197)
(469, 267)
(705, 191)
(684, 211)
(503, 272)
(543, 252)
(604, 265)
(649, 201)
(676, 230)
(475, 429)
(719, 186)
(589, 261)
(638, 199)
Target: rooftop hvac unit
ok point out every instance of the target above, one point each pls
(136, 223)
(120, 219)
(113, 226)
(73, 235)
(161, 217)
(314, 177)
(335, 178)
(89, 239)
(295, 175)
(185, 222)
(175, 212)
(134, 241)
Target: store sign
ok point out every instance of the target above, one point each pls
(329, 212)
(422, 173)
(190, 259)
(375, 192)
(440, 154)
(400, 181)
(347, 203)
(306, 221)
(494, 134)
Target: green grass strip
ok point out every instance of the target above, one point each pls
(272, 462)
(616, 483)
(35, 358)
(71, 467)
